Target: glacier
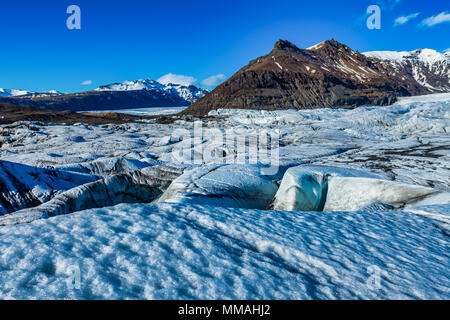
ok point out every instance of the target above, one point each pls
(319, 188)
(359, 208)
(177, 251)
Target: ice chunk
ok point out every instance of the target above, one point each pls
(304, 188)
(315, 188)
(301, 192)
(350, 193)
(234, 186)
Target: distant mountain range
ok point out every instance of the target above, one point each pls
(21, 93)
(328, 75)
(130, 94)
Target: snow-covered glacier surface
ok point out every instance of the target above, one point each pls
(168, 251)
(358, 207)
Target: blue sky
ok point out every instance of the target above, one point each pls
(199, 39)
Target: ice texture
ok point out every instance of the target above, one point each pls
(178, 251)
(205, 230)
(233, 186)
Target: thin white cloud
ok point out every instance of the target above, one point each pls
(388, 4)
(437, 19)
(404, 19)
(213, 81)
(86, 82)
(177, 79)
(447, 50)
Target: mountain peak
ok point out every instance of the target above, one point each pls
(189, 93)
(328, 75)
(330, 45)
(284, 44)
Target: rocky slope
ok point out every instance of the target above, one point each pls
(10, 113)
(135, 94)
(328, 75)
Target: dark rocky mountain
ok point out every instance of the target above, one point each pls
(328, 75)
(135, 94)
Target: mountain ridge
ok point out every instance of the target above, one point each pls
(327, 75)
(427, 66)
(145, 93)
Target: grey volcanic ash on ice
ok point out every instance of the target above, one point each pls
(328, 75)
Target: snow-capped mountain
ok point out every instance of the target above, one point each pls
(143, 84)
(13, 92)
(22, 93)
(327, 75)
(127, 95)
(189, 93)
(428, 67)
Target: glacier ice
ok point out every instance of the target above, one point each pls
(305, 188)
(317, 188)
(142, 186)
(23, 186)
(234, 186)
(210, 234)
(354, 193)
(184, 251)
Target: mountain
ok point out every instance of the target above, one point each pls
(23, 93)
(189, 93)
(12, 92)
(130, 94)
(327, 75)
(428, 67)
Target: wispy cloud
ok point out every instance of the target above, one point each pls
(86, 82)
(213, 81)
(177, 79)
(388, 4)
(404, 19)
(437, 19)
